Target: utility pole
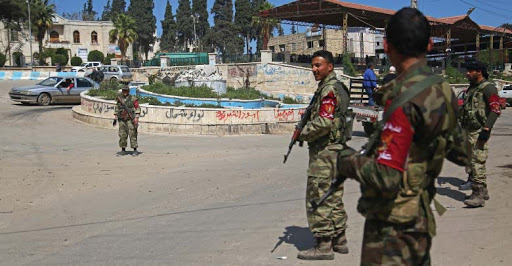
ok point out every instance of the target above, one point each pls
(30, 36)
(414, 4)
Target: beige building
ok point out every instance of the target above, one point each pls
(78, 37)
(361, 42)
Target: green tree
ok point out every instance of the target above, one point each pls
(168, 38)
(199, 8)
(142, 12)
(42, 19)
(123, 33)
(63, 52)
(118, 7)
(184, 23)
(348, 68)
(265, 26)
(13, 10)
(243, 20)
(256, 33)
(105, 15)
(490, 57)
(76, 61)
(58, 58)
(2, 59)
(225, 37)
(88, 14)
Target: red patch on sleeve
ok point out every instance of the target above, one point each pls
(396, 139)
(494, 104)
(328, 106)
(136, 104)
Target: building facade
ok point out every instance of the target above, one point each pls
(361, 42)
(78, 37)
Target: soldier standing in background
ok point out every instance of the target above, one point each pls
(127, 112)
(325, 134)
(478, 114)
(397, 174)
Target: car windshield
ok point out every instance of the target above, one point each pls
(50, 81)
(83, 64)
(125, 69)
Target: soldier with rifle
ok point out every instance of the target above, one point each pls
(127, 112)
(323, 126)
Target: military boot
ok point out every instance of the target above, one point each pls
(322, 250)
(486, 194)
(477, 197)
(339, 243)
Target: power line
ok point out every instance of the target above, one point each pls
(487, 10)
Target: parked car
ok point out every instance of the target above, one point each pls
(506, 93)
(462, 94)
(84, 66)
(120, 73)
(53, 90)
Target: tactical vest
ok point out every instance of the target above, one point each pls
(473, 112)
(122, 113)
(341, 130)
(424, 162)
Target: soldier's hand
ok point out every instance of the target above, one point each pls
(114, 123)
(484, 135)
(136, 121)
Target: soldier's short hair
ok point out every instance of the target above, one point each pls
(325, 54)
(408, 30)
(478, 66)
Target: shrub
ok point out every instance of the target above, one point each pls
(63, 52)
(95, 56)
(2, 59)
(106, 61)
(453, 76)
(348, 68)
(76, 61)
(111, 85)
(58, 58)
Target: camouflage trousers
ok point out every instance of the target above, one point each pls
(126, 128)
(479, 153)
(388, 244)
(330, 218)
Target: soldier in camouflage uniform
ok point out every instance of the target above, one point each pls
(127, 125)
(325, 134)
(397, 174)
(478, 114)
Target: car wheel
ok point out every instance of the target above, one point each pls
(81, 70)
(113, 79)
(44, 99)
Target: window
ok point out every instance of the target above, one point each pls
(321, 43)
(76, 37)
(271, 48)
(294, 46)
(54, 36)
(14, 35)
(83, 83)
(310, 44)
(282, 48)
(94, 37)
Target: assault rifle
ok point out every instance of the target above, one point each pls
(125, 110)
(298, 128)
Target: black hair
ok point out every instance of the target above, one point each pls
(478, 66)
(325, 54)
(370, 65)
(408, 30)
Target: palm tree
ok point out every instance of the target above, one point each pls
(42, 19)
(265, 25)
(123, 33)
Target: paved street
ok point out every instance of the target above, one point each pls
(67, 199)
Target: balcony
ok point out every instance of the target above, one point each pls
(58, 44)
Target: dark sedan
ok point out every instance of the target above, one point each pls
(53, 90)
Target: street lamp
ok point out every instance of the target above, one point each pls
(30, 32)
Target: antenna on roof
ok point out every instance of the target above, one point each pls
(470, 11)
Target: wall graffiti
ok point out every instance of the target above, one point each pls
(243, 71)
(288, 114)
(192, 114)
(240, 114)
(99, 107)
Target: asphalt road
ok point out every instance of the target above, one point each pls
(67, 199)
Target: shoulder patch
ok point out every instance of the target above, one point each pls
(494, 104)
(328, 105)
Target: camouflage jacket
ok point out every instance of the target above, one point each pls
(481, 106)
(131, 103)
(397, 179)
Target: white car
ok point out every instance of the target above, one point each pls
(84, 66)
(506, 93)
